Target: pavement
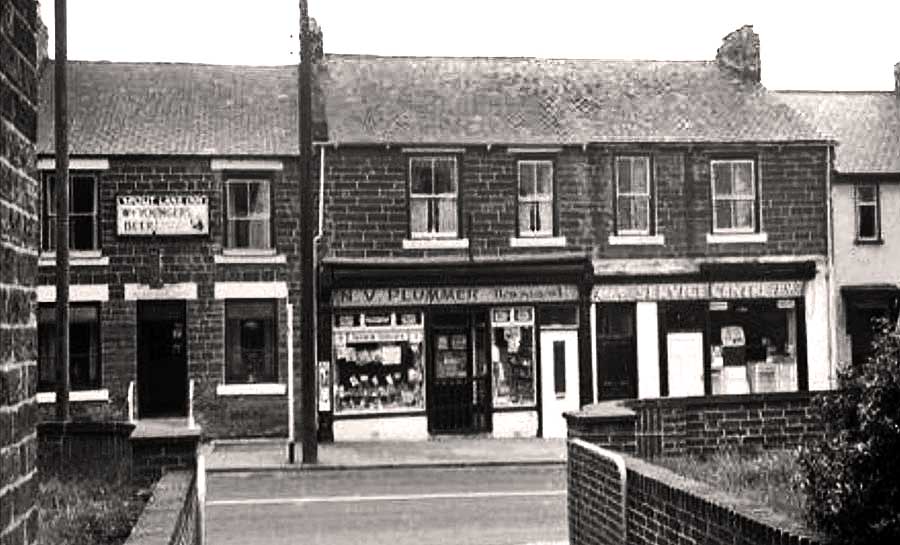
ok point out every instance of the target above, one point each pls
(272, 455)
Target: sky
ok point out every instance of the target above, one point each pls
(805, 44)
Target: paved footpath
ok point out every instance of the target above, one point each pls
(451, 451)
(496, 505)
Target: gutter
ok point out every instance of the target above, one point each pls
(829, 274)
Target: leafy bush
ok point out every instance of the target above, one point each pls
(850, 477)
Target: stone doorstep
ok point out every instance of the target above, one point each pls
(165, 428)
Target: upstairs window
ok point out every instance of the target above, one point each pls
(536, 199)
(734, 197)
(634, 201)
(433, 197)
(248, 224)
(83, 224)
(868, 213)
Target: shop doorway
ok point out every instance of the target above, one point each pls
(162, 359)
(559, 390)
(616, 351)
(459, 394)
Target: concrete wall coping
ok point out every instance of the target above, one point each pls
(163, 512)
(85, 428)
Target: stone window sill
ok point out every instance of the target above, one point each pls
(737, 238)
(435, 244)
(243, 257)
(636, 240)
(76, 259)
(75, 396)
(537, 242)
(255, 389)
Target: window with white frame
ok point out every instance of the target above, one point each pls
(433, 197)
(248, 214)
(634, 199)
(84, 347)
(535, 198)
(868, 213)
(250, 348)
(83, 224)
(734, 196)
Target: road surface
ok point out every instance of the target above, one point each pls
(487, 505)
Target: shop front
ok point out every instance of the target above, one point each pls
(414, 361)
(702, 337)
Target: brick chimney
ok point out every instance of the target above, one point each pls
(318, 51)
(739, 54)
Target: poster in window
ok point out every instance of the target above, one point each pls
(458, 342)
(442, 342)
(391, 354)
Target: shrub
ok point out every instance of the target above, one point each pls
(850, 477)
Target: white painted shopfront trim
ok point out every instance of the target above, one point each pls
(251, 290)
(515, 424)
(49, 163)
(256, 389)
(647, 350)
(594, 368)
(75, 396)
(401, 428)
(78, 293)
(820, 373)
(245, 164)
(142, 292)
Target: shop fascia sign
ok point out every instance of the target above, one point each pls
(162, 215)
(453, 295)
(698, 291)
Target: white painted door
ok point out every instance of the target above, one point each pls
(685, 355)
(559, 379)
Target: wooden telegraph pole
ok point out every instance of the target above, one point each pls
(308, 417)
(62, 216)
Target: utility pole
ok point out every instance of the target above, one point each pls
(308, 416)
(62, 215)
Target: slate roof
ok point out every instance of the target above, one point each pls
(538, 101)
(866, 126)
(170, 108)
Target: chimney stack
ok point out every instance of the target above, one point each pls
(318, 51)
(739, 54)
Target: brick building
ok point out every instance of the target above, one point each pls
(19, 58)
(184, 265)
(508, 239)
(864, 192)
(502, 240)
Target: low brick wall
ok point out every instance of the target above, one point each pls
(154, 456)
(697, 425)
(172, 516)
(662, 508)
(85, 448)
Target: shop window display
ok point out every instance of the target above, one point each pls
(512, 354)
(754, 346)
(379, 362)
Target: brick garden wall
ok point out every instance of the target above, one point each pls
(696, 425)
(18, 261)
(172, 514)
(662, 508)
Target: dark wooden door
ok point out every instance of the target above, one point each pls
(450, 406)
(616, 351)
(162, 359)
